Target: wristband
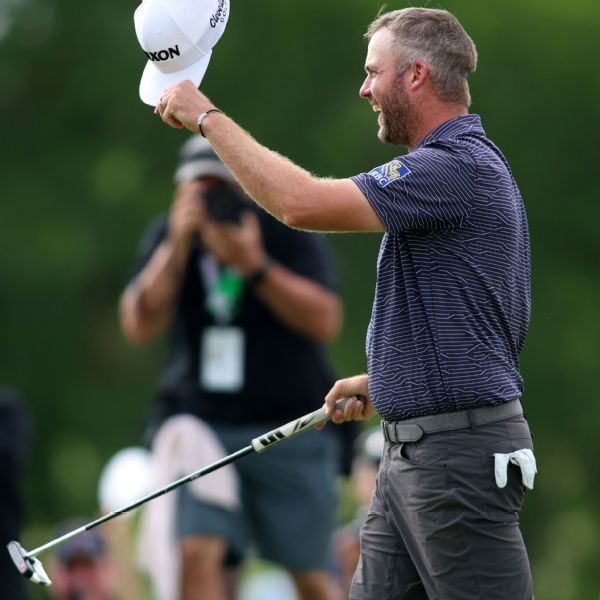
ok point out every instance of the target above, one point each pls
(258, 275)
(203, 116)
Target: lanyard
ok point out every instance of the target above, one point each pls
(224, 287)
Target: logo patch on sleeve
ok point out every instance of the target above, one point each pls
(385, 174)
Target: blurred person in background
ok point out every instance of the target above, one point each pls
(82, 568)
(363, 477)
(248, 305)
(125, 478)
(14, 441)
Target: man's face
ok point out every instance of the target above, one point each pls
(386, 90)
(83, 578)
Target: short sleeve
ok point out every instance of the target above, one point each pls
(430, 189)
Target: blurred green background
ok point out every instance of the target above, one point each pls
(85, 165)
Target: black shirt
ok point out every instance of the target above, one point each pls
(286, 374)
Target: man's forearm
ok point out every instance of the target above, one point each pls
(284, 189)
(278, 185)
(303, 305)
(148, 302)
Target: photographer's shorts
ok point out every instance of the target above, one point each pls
(288, 500)
(439, 528)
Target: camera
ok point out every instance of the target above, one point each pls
(224, 204)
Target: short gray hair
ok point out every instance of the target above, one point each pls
(437, 38)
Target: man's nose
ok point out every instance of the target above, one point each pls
(365, 89)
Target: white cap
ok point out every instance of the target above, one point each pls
(178, 37)
(126, 477)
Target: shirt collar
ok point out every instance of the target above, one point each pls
(451, 129)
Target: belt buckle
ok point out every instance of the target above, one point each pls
(399, 432)
(384, 430)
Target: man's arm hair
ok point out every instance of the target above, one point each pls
(287, 191)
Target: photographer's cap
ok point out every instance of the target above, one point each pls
(198, 159)
(177, 36)
(89, 545)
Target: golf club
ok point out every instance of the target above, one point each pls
(32, 568)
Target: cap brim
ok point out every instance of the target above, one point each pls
(154, 82)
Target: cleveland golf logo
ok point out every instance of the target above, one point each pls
(163, 54)
(220, 14)
(385, 174)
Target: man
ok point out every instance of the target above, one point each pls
(248, 304)
(82, 569)
(449, 319)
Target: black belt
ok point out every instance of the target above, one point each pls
(411, 430)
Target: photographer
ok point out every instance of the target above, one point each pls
(248, 304)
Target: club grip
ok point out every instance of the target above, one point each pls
(293, 427)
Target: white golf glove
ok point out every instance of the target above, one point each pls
(524, 459)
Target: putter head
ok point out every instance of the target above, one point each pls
(29, 566)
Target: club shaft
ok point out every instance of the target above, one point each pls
(257, 445)
(57, 541)
(199, 473)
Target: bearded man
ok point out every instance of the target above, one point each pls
(449, 319)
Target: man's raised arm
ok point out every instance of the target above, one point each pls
(288, 192)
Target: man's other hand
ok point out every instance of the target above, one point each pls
(359, 406)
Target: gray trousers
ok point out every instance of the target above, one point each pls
(439, 528)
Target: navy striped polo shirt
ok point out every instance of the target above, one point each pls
(452, 301)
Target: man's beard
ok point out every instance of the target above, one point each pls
(398, 118)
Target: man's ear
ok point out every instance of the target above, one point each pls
(419, 73)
